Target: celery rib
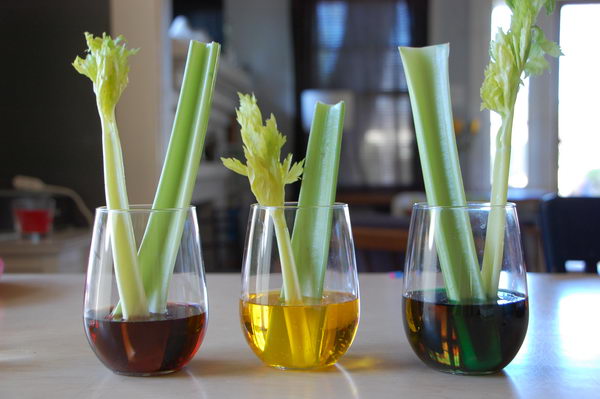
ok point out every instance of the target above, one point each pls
(292, 293)
(494, 239)
(129, 282)
(268, 176)
(106, 65)
(161, 241)
(427, 75)
(312, 226)
(517, 53)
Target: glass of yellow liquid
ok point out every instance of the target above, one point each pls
(299, 305)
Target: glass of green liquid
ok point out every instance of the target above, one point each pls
(465, 311)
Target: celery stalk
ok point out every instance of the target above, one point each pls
(427, 74)
(107, 67)
(494, 239)
(319, 181)
(161, 240)
(129, 282)
(268, 177)
(289, 269)
(518, 53)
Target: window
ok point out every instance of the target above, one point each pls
(350, 47)
(578, 109)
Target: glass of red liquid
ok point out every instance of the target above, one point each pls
(33, 217)
(145, 306)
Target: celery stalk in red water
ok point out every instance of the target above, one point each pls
(160, 244)
(106, 65)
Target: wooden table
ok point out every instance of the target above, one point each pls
(44, 354)
(65, 251)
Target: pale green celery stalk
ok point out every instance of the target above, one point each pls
(268, 177)
(107, 67)
(427, 75)
(312, 226)
(291, 292)
(519, 52)
(161, 240)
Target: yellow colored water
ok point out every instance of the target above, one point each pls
(312, 335)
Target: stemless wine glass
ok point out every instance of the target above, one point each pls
(160, 332)
(462, 314)
(300, 303)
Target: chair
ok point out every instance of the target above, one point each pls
(570, 231)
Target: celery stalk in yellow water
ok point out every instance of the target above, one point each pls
(268, 177)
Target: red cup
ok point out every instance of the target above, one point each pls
(33, 217)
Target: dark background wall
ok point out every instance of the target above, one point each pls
(49, 127)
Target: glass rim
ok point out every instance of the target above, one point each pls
(294, 205)
(471, 205)
(143, 208)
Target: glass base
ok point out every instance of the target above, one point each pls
(309, 368)
(153, 374)
(466, 373)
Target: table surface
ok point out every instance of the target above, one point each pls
(44, 353)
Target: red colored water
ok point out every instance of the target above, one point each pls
(156, 345)
(34, 220)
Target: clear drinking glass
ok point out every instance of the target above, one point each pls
(299, 304)
(170, 333)
(458, 319)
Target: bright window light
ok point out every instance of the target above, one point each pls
(579, 106)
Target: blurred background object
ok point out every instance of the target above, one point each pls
(33, 217)
(290, 53)
(35, 185)
(570, 228)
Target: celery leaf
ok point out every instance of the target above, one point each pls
(515, 54)
(106, 64)
(262, 150)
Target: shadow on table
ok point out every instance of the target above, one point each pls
(366, 363)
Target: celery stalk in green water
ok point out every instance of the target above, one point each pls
(515, 54)
(427, 75)
(268, 177)
(312, 226)
(106, 64)
(161, 240)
